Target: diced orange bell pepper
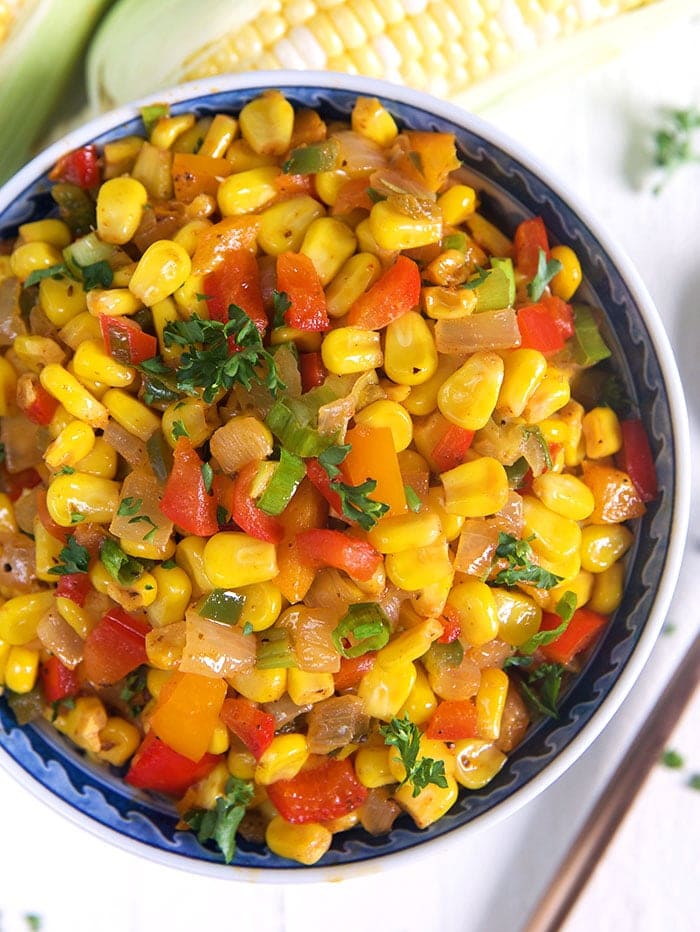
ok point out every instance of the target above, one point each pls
(307, 509)
(616, 497)
(294, 185)
(353, 194)
(372, 456)
(437, 156)
(221, 238)
(187, 712)
(197, 174)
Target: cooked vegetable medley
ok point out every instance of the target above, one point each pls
(313, 490)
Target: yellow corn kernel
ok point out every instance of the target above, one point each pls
(156, 680)
(351, 349)
(568, 278)
(59, 421)
(367, 243)
(523, 370)
(394, 533)
(219, 742)
(4, 652)
(21, 669)
(442, 303)
(161, 270)
(246, 192)
(37, 351)
(52, 231)
(190, 413)
(421, 701)
(219, 136)
(147, 550)
(608, 587)
(329, 183)
(554, 536)
(305, 687)
(8, 386)
(410, 644)
(203, 795)
(115, 302)
(120, 154)
(137, 595)
(468, 397)
(478, 762)
(385, 413)
(282, 759)
(430, 804)
(554, 430)
(457, 203)
(118, 741)
(372, 120)
(20, 616)
(423, 398)
(74, 397)
(132, 414)
(602, 433)
(47, 551)
(61, 299)
(519, 617)
(120, 203)
(564, 494)
(267, 123)
(551, 394)
(101, 461)
(174, 590)
(83, 326)
(490, 702)
(242, 157)
(410, 354)
(189, 556)
(233, 559)
(93, 363)
(574, 447)
(83, 722)
(398, 393)
(260, 685)
(306, 341)
(329, 243)
(416, 569)
(358, 274)
(581, 585)
(283, 225)
(263, 604)
(474, 603)
(475, 489)
(73, 443)
(168, 129)
(187, 236)
(395, 230)
(305, 843)
(384, 691)
(79, 618)
(372, 766)
(122, 275)
(604, 544)
(96, 389)
(91, 497)
(8, 522)
(165, 312)
(241, 763)
(33, 257)
(451, 524)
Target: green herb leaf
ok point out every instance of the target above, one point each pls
(65, 471)
(134, 692)
(478, 279)
(518, 553)
(179, 430)
(404, 735)
(207, 476)
(248, 628)
(34, 922)
(694, 781)
(151, 113)
(541, 688)
(566, 606)
(412, 499)
(168, 564)
(375, 196)
(355, 503)
(221, 823)
(53, 271)
(280, 306)
(673, 142)
(119, 565)
(97, 275)
(129, 506)
(76, 518)
(74, 558)
(332, 457)
(155, 366)
(672, 759)
(546, 270)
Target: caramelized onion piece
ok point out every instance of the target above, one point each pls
(335, 723)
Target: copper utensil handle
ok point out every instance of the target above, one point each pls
(611, 806)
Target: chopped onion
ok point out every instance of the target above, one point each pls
(358, 153)
(336, 722)
(215, 649)
(391, 600)
(141, 517)
(284, 711)
(333, 417)
(126, 444)
(503, 440)
(379, 812)
(460, 681)
(17, 563)
(514, 722)
(20, 439)
(536, 451)
(25, 509)
(510, 518)
(312, 630)
(161, 221)
(491, 654)
(388, 181)
(56, 635)
(11, 323)
(476, 547)
(333, 590)
(288, 370)
(167, 642)
(487, 330)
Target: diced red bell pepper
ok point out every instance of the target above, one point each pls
(80, 167)
(453, 720)
(294, 185)
(57, 680)
(14, 483)
(55, 530)
(320, 478)
(115, 647)
(237, 500)
(34, 401)
(313, 372)
(530, 237)
(352, 669)
(451, 626)
(125, 341)
(561, 313)
(74, 586)
(157, 767)
(326, 792)
(581, 631)
(298, 279)
(539, 330)
(452, 447)
(255, 728)
(390, 297)
(636, 459)
(319, 547)
(236, 280)
(185, 498)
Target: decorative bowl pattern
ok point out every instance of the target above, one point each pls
(511, 188)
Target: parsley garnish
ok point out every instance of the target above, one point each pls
(179, 430)
(566, 606)
(541, 687)
(168, 564)
(129, 506)
(76, 518)
(518, 553)
(672, 759)
(207, 476)
(118, 564)
(404, 735)
(412, 499)
(208, 362)
(479, 279)
(33, 921)
(97, 275)
(546, 270)
(694, 781)
(674, 142)
(356, 505)
(53, 271)
(613, 395)
(133, 690)
(65, 471)
(221, 824)
(280, 306)
(74, 559)
(248, 628)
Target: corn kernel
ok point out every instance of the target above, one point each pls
(555, 536)
(284, 225)
(490, 702)
(519, 617)
(370, 119)
(305, 843)
(564, 494)
(307, 687)
(93, 363)
(118, 741)
(241, 763)
(189, 555)
(80, 619)
(603, 544)
(552, 393)
(245, 192)
(523, 370)
(68, 391)
(101, 461)
(267, 123)
(568, 278)
(474, 603)
(233, 559)
(263, 604)
(385, 413)
(478, 762)
(83, 723)
(394, 533)
(393, 230)
(372, 767)
(167, 129)
(161, 270)
(457, 203)
(601, 432)
(82, 326)
(21, 669)
(73, 443)
(92, 498)
(61, 299)
(384, 691)
(430, 804)
(416, 569)
(52, 231)
(115, 302)
(329, 243)
(132, 414)
(351, 349)
(8, 386)
(190, 413)
(475, 489)
(359, 273)
(468, 397)
(607, 591)
(47, 551)
(219, 136)
(442, 303)
(410, 354)
(174, 590)
(33, 257)
(282, 759)
(120, 203)
(20, 615)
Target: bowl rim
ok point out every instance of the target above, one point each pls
(287, 79)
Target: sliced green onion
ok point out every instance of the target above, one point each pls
(456, 241)
(588, 346)
(517, 472)
(86, 251)
(283, 484)
(412, 499)
(534, 431)
(223, 605)
(316, 157)
(297, 437)
(365, 626)
(493, 293)
(506, 266)
(275, 650)
(160, 455)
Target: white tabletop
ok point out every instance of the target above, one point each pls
(595, 132)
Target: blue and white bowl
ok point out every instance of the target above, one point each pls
(511, 188)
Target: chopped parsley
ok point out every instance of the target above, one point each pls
(520, 568)
(355, 502)
(207, 476)
(53, 271)
(694, 781)
(73, 558)
(546, 270)
(566, 606)
(121, 567)
(221, 823)
(179, 430)
(34, 921)
(129, 507)
(672, 759)
(248, 628)
(404, 735)
(478, 279)
(96, 275)
(76, 518)
(280, 306)
(134, 692)
(412, 499)
(541, 687)
(673, 142)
